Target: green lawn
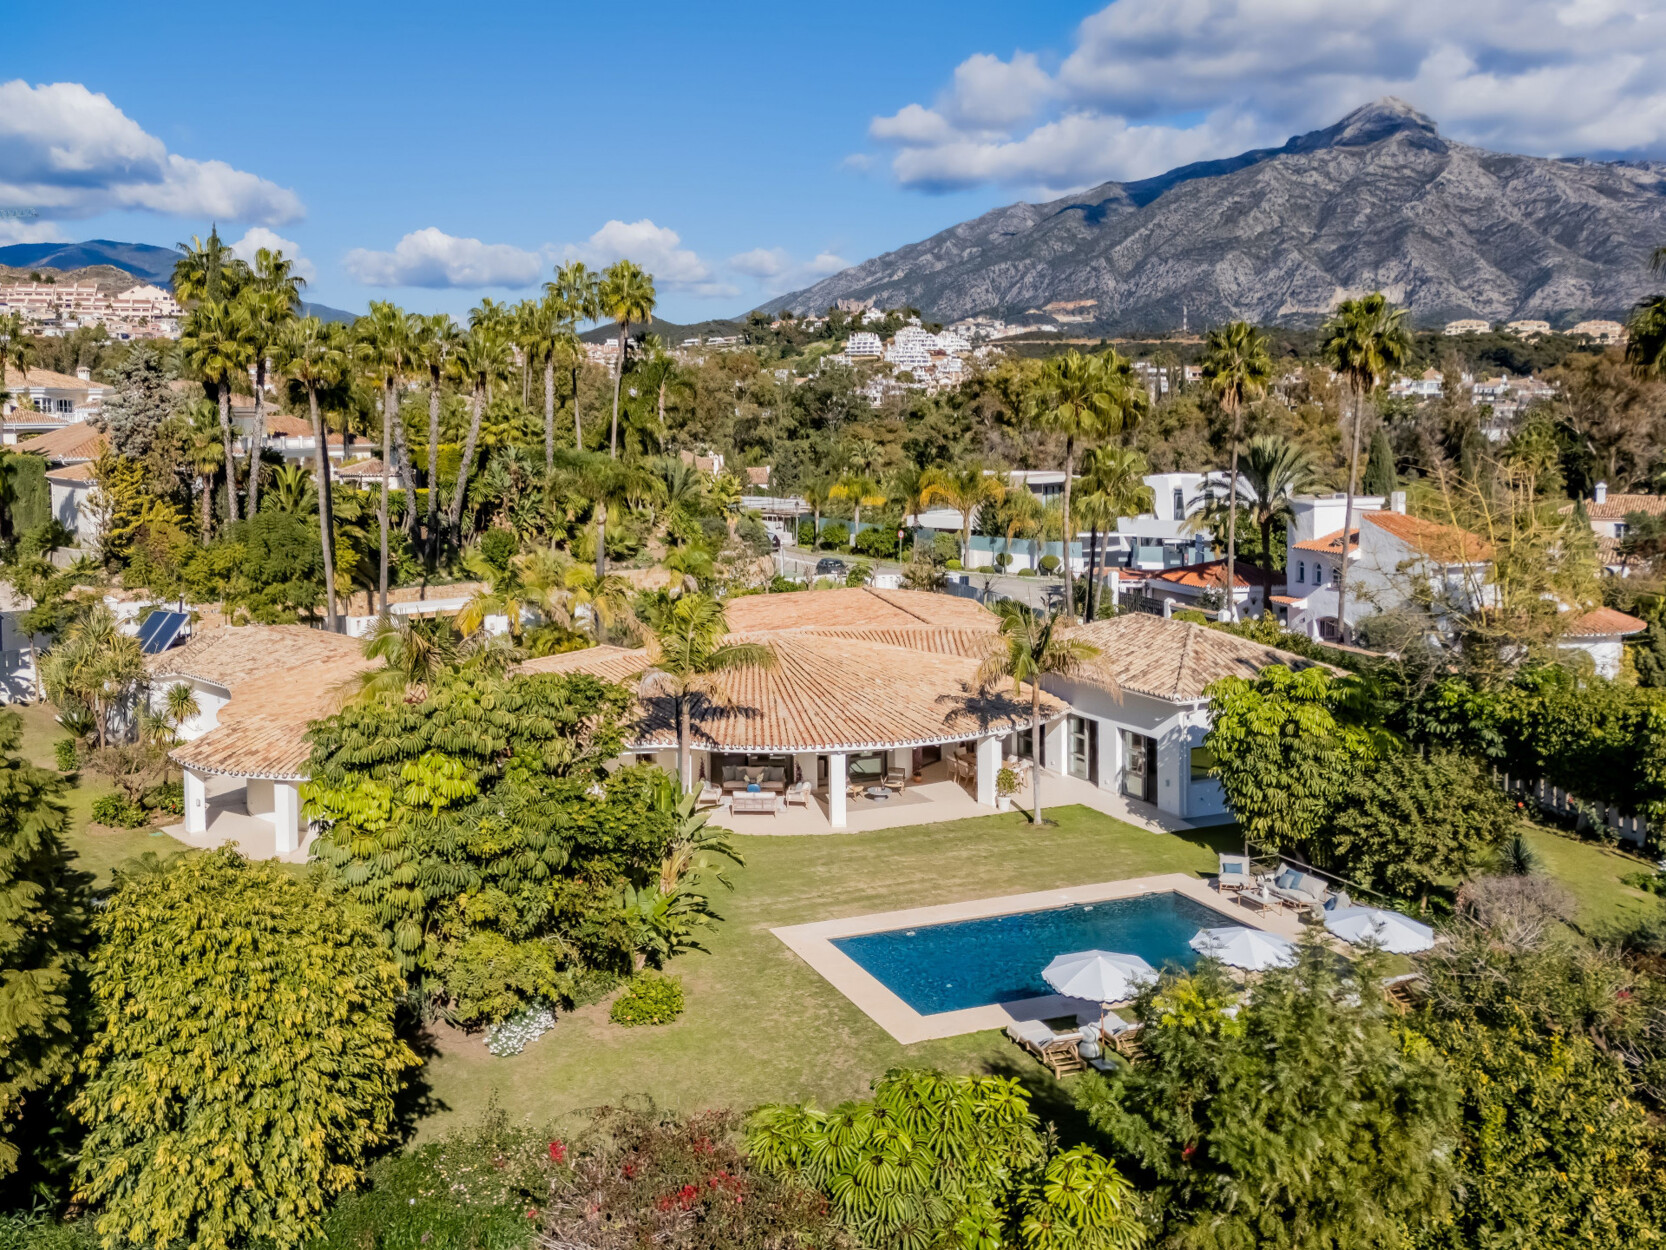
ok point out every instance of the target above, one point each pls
(1592, 874)
(98, 849)
(760, 1024)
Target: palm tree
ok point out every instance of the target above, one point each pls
(1275, 470)
(1024, 514)
(1086, 398)
(1365, 341)
(545, 328)
(1645, 329)
(611, 487)
(626, 295)
(482, 357)
(271, 299)
(577, 293)
(200, 272)
(567, 592)
(437, 341)
(387, 350)
(216, 348)
(689, 654)
(1237, 368)
(904, 489)
(413, 653)
(315, 356)
(860, 490)
(817, 492)
(1113, 482)
(502, 594)
(205, 454)
(13, 345)
(1032, 647)
(963, 488)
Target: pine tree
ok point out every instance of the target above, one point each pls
(1379, 469)
(42, 923)
(139, 403)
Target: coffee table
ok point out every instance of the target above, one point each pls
(879, 794)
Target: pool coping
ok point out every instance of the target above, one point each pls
(813, 943)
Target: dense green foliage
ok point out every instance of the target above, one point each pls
(271, 567)
(480, 829)
(25, 498)
(244, 1058)
(1308, 1119)
(649, 998)
(934, 1160)
(42, 922)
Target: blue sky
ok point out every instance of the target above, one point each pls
(436, 153)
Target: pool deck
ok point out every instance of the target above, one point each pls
(813, 943)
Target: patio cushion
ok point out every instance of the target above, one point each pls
(1287, 878)
(1030, 1032)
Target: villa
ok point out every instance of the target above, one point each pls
(872, 717)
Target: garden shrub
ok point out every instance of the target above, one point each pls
(1191, 615)
(880, 542)
(944, 548)
(1049, 564)
(807, 534)
(499, 547)
(650, 998)
(953, 565)
(167, 798)
(69, 759)
(118, 811)
(834, 535)
(752, 534)
(1026, 572)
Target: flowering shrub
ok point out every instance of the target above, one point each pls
(650, 998)
(511, 1036)
(651, 1179)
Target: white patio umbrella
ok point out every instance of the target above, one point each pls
(1254, 949)
(1098, 976)
(1388, 929)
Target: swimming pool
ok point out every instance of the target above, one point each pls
(998, 959)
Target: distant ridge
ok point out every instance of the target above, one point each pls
(142, 260)
(1380, 200)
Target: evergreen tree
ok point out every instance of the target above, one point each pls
(1379, 467)
(138, 403)
(244, 1059)
(42, 923)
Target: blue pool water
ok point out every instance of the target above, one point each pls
(972, 963)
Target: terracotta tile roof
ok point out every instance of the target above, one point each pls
(361, 469)
(1213, 573)
(1605, 621)
(80, 474)
(78, 440)
(236, 655)
(758, 475)
(262, 731)
(16, 381)
(1330, 543)
(1615, 507)
(1287, 600)
(860, 606)
(281, 423)
(972, 643)
(1442, 542)
(1173, 660)
(824, 693)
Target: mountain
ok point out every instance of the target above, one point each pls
(142, 260)
(325, 313)
(1380, 200)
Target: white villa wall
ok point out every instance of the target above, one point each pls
(210, 699)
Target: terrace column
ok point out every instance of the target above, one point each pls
(989, 763)
(286, 815)
(836, 789)
(196, 803)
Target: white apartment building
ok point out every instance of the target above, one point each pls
(1527, 329)
(1427, 386)
(864, 345)
(1467, 325)
(1607, 333)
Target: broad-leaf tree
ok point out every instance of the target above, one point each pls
(244, 1059)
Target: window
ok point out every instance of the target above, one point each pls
(1301, 570)
(1179, 502)
(1203, 759)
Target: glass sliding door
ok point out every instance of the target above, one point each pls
(1083, 737)
(1139, 766)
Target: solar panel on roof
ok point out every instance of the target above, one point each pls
(160, 631)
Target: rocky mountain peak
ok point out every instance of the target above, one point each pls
(1371, 123)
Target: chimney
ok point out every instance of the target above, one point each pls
(84, 373)
(1600, 492)
(1397, 502)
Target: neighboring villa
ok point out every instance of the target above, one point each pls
(1607, 513)
(69, 451)
(41, 400)
(873, 693)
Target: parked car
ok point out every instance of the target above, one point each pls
(827, 566)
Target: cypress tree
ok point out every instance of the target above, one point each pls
(1379, 469)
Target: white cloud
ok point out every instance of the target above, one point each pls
(433, 258)
(257, 237)
(658, 249)
(21, 226)
(66, 151)
(776, 271)
(761, 262)
(1151, 84)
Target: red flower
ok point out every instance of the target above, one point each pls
(630, 1171)
(558, 1152)
(532, 1213)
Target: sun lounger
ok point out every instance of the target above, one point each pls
(1237, 873)
(1058, 1051)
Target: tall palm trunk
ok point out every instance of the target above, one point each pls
(223, 391)
(1093, 574)
(407, 476)
(388, 399)
(433, 525)
(601, 540)
(1232, 524)
(1347, 526)
(549, 414)
(207, 505)
(326, 513)
(258, 441)
(1069, 579)
(578, 421)
(478, 410)
(1038, 751)
(1266, 526)
(684, 759)
(618, 381)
